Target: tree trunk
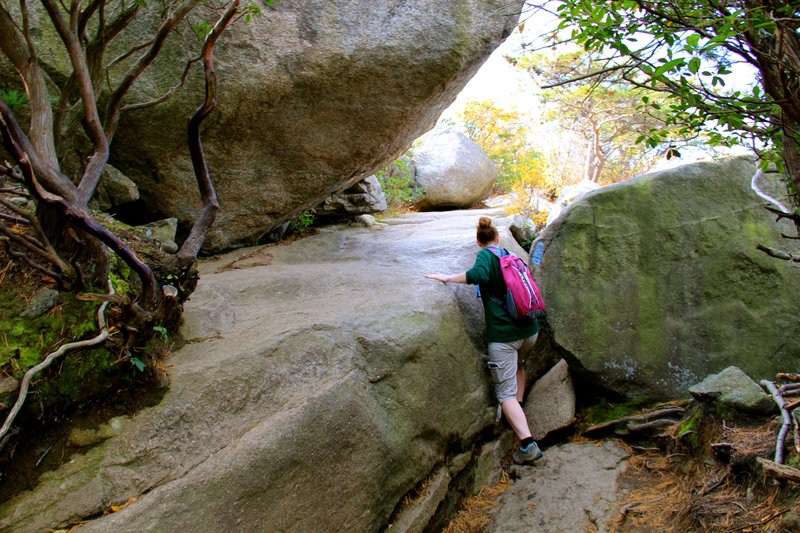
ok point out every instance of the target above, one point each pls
(83, 251)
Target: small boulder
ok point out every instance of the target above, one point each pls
(369, 221)
(551, 402)
(363, 198)
(115, 188)
(415, 517)
(163, 231)
(522, 228)
(733, 388)
(43, 300)
(454, 170)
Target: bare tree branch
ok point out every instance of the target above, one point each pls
(191, 246)
(91, 120)
(114, 105)
(779, 254)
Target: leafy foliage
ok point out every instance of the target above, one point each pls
(690, 52)
(535, 182)
(602, 113)
(504, 136)
(303, 221)
(397, 182)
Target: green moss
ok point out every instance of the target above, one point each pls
(605, 411)
(725, 413)
(120, 275)
(25, 342)
(692, 424)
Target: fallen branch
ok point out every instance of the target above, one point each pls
(779, 471)
(26, 379)
(787, 419)
(789, 387)
(778, 254)
(792, 405)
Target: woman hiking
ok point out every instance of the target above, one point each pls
(508, 341)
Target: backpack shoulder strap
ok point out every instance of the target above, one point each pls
(497, 251)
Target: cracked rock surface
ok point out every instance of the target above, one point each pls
(574, 487)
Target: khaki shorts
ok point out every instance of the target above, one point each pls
(504, 359)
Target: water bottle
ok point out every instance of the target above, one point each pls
(538, 252)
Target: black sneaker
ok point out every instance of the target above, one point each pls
(527, 455)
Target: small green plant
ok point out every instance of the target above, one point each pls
(14, 99)
(303, 221)
(397, 182)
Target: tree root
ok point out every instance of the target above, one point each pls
(642, 422)
(787, 418)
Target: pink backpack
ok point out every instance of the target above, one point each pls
(523, 298)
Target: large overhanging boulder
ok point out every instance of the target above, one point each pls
(655, 283)
(314, 97)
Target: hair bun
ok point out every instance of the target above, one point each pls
(485, 222)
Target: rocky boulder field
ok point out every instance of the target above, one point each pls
(328, 386)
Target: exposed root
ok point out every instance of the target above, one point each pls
(678, 497)
(713, 478)
(47, 361)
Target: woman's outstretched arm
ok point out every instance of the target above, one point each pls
(453, 278)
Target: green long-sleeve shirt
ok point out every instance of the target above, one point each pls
(500, 327)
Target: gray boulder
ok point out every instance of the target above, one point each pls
(315, 96)
(550, 404)
(163, 231)
(733, 388)
(333, 382)
(114, 189)
(454, 170)
(42, 301)
(575, 487)
(655, 283)
(523, 228)
(363, 198)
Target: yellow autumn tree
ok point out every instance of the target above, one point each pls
(523, 170)
(502, 133)
(536, 182)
